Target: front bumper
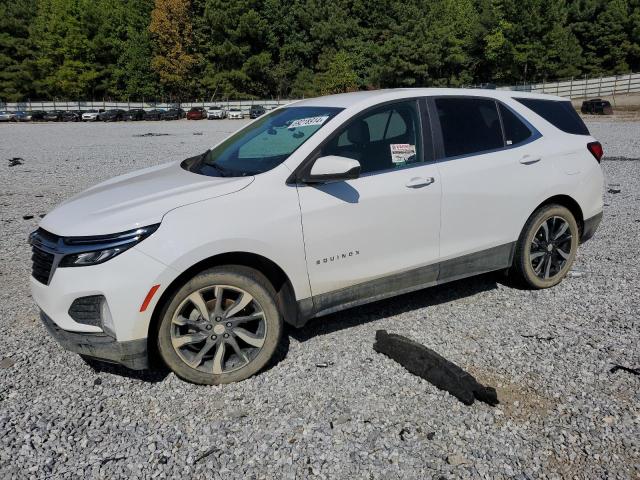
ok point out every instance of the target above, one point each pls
(590, 227)
(131, 354)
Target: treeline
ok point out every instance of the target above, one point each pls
(178, 49)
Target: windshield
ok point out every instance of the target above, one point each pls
(263, 144)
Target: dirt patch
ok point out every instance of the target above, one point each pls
(519, 403)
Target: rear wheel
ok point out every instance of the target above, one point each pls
(222, 326)
(546, 248)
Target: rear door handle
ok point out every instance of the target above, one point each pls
(529, 160)
(418, 182)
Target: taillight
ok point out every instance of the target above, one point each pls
(596, 150)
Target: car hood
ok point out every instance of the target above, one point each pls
(136, 199)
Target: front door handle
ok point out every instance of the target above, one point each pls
(529, 160)
(418, 182)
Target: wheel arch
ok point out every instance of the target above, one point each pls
(285, 295)
(569, 203)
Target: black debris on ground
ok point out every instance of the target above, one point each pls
(150, 134)
(104, 461)
(27, 217)
(632, 371)
(614, 190)
(539, 337)
(15, 161)
(206, 454)
(197, 133)
(323, 364)
(434, 368)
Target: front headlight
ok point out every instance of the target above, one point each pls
(83, 251)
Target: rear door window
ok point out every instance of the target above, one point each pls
(515, 130)
(559, 113)
(469, 125)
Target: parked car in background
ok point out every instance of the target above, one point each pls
(154, 114)
(235, 114)
(22, 116)
(134, 114)
(173, 114)
(90, 116)
(596, 106)
(256, 110)
(7, 116)
(398, 190)
(114, 115)
(196, 113)
(216, 113)
(37, 115)
(72, 116)
(53, 116)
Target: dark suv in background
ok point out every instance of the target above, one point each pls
(112, 115)
(173, 114)
(256, 110)
(596, 106)
(134, 114)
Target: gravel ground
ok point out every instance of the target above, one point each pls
(562, 413)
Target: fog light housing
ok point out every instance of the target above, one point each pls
(106, 318)
(93, 310)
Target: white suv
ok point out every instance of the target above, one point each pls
(315, 207)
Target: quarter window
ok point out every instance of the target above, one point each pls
(383, 139)
(560, 114)
(515, 131)
(469, 125)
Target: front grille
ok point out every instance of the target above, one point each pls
(42, 264)
(43, 248)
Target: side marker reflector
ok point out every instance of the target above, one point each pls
(147, 299)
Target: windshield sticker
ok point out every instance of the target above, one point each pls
(402, 152)
(308, 122)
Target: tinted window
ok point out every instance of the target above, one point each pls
(515, 130)
(385, 138)
(469, 125)
(560, 114)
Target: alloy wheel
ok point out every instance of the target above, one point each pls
(218, 329)
(550, 248)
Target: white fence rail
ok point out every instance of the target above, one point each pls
(574, 88)
(585, 87)
(243, 105)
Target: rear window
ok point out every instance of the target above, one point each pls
(469, 125)
(560, 114)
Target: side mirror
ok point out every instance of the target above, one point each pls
(332, 168)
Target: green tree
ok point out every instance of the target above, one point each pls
(16, 49)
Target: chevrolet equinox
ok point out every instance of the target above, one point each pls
(315, 207)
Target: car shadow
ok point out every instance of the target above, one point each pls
(371, 312)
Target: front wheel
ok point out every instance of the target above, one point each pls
(222, 326)
(546, 248)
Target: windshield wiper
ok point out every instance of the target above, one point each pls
(222, 171)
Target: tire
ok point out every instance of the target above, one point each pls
(185, 336)
(543, 256)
